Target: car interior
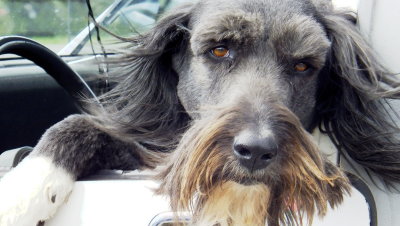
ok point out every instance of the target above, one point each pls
(39, 88)
(44, 93)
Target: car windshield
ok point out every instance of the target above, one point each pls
(63, 25)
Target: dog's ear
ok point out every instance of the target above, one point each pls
(352, 100)
(144, 106)
(354, 60)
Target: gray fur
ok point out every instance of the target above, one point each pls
(79, 146)
(170, 78)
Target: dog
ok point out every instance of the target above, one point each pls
(221, 96)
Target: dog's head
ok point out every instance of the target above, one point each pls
(236, 85)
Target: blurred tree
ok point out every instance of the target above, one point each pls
(32, 18)
(46, 17)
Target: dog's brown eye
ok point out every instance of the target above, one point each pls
(301, 67)
(220, 51)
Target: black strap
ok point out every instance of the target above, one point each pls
(363, 188)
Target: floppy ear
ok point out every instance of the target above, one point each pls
(144, 105)
(352, 101)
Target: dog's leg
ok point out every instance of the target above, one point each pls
(71, 149)
(33, 191)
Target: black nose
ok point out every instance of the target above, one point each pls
(254, 151)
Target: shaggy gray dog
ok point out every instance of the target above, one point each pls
(224, 94)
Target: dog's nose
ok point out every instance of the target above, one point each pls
(253, 151)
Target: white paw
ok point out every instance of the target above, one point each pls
(33, 191)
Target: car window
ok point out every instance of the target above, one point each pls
(50, 22)
(62, 25)
(126, 18)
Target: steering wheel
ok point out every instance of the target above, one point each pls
(51, 63)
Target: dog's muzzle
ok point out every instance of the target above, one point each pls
(254, 151)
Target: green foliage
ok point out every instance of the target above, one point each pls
(55, 22)
(46, 18)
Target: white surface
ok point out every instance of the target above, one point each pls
(110, 202)
(380, 23)
(132, 202)
(26, 192)
(351, 4)
(379, 20)
(387, 202)
(352, 212)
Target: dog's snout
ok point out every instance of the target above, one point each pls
(254, 151)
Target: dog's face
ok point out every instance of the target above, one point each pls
(253, 55)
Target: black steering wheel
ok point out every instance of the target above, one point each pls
(51, 63)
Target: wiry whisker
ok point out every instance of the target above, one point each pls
(203, 167)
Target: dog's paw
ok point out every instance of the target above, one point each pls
(32, 192)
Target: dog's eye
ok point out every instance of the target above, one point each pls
(301, 67)
(220, 52)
